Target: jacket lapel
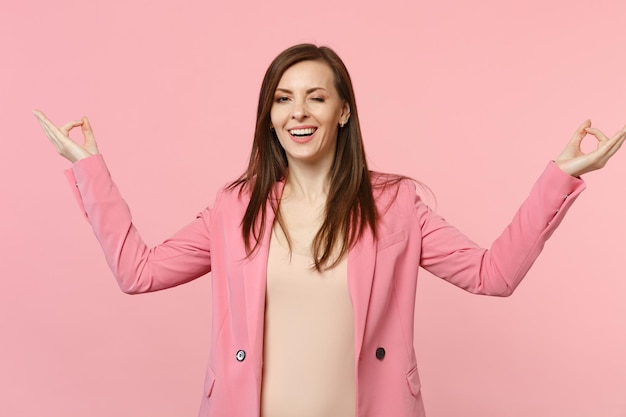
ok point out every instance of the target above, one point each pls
(361, 263)
(255, 278)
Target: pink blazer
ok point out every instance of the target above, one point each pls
(382, 277)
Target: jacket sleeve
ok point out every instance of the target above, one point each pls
(498, 271)
(137, 268)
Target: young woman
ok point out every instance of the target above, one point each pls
(314, 259)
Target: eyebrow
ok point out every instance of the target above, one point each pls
(310, 90)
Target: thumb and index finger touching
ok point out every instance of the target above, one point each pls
(59, 136)
(606, 148)
(586, 129)
(606, 144)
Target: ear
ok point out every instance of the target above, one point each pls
(345, 113)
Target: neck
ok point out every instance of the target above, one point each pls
(308, 182)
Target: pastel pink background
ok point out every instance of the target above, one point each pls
(472, 98)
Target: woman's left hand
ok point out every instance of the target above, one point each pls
(575, 162)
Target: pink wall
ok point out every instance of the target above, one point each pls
(473, 98)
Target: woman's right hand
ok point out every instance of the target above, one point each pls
(60, 137)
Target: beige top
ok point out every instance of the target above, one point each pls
(308, 367)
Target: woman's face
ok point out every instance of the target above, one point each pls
(306, 113)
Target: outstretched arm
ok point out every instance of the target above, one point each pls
(497, 271)
(137, 267)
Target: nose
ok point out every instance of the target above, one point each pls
(299, 111)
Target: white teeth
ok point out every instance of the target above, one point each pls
(303, 132)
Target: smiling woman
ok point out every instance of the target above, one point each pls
(314, 258)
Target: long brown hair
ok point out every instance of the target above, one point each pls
(350, 206)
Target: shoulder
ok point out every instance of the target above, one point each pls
(392, 193)
(386, 186)
(229, 197)
(399, 191)
(239, 193)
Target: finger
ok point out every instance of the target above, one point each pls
(609, 152)
(65, 129)
(615, 139)
(87, 131)
(90, 141)
(580, 133)
(47, 130)
(586, 124)
(598, 134)
(42, 118)
(618, 141)
(39, 114)
(44, 121)
(58, 137)
(607, 149)
(619, 134)
(52, 137)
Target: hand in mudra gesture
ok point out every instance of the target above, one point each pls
(575, 162)
(60, 137)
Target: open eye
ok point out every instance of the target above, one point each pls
(281, 99)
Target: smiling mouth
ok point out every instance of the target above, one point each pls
(302, 133)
